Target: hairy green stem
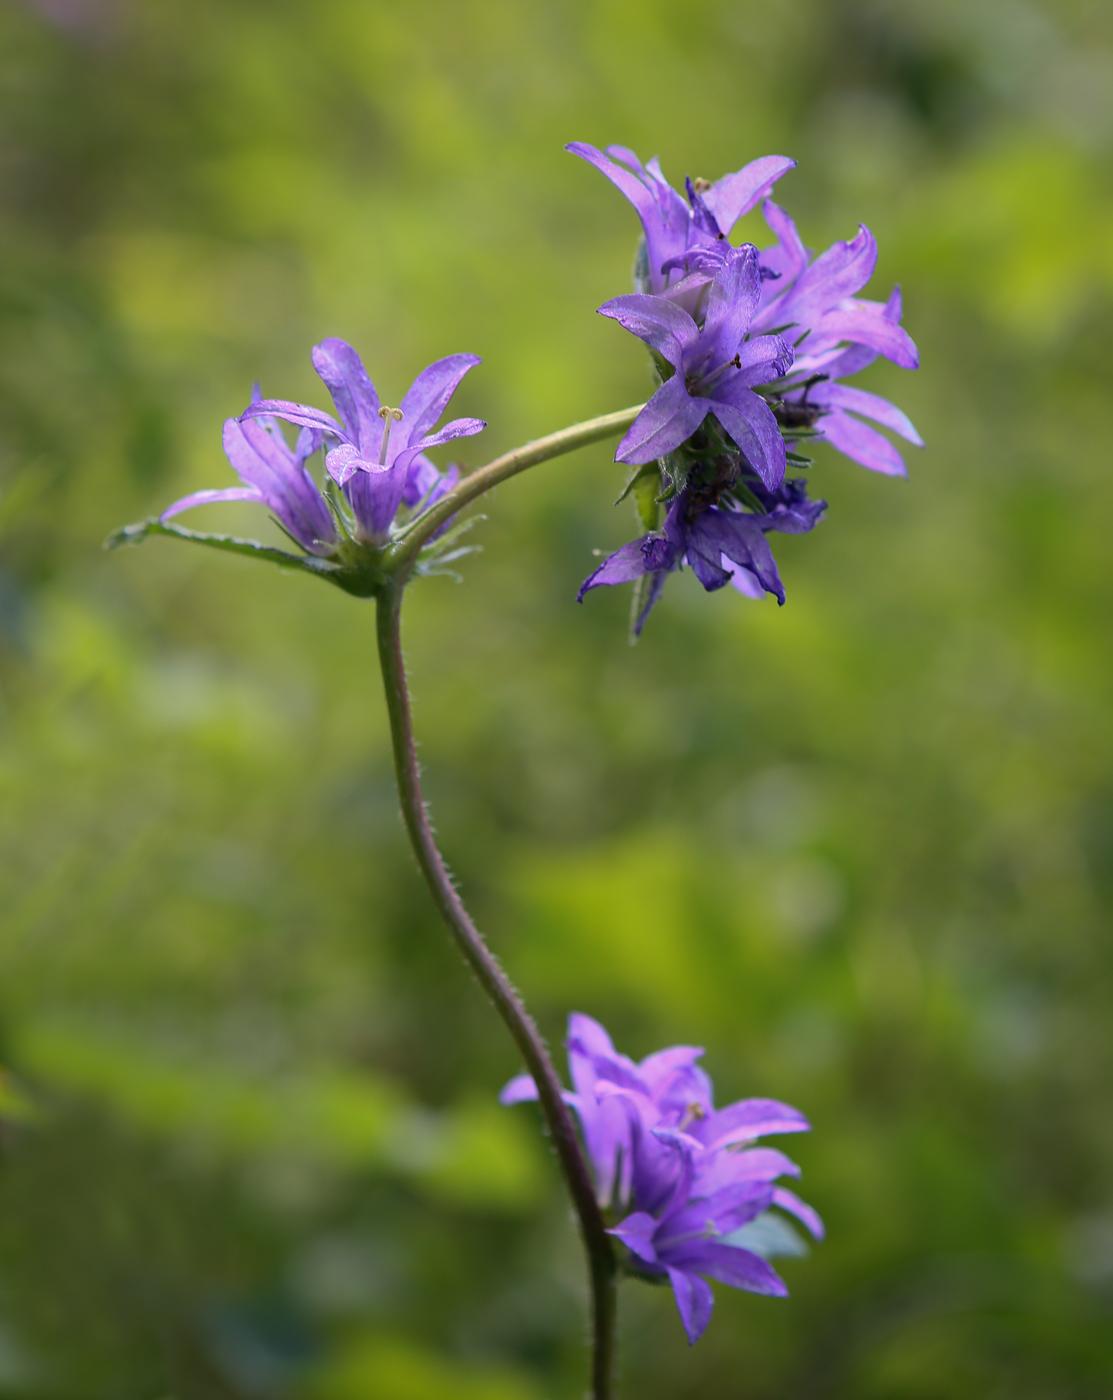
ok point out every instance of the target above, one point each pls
(494, 981)
(404, 550)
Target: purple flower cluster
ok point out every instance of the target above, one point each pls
(680, 1178)
(750, 347)
(374, 454)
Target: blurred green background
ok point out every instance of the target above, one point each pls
(860, 847)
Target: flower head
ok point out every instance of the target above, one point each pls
(681, 1176)
(274, 475)
(715, 369)
(671, 224)
(377, 459)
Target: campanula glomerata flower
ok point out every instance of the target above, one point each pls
(679, 1176)
(715, 369)
(377, 459)
(671, 224)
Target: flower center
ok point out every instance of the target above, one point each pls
(692, 1114)
(698, 384)
(390, 416)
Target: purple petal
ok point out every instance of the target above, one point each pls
(208, 498)
(750, 422)
(355, 397)
(660, 323)
(735, 195)
(664, 215)
(732, 300)
(421, 478)
(430, 392)
(836, 274)
(788, 259)
(264, 461)
(623, 566)
(694, 1301)
(636, 1233)
(344, 461)
(374, 495)
(723, 1167)
(761, 360)
(656, 588)
(589, 1034)
(748, 1119)
(722, 1213)
(707, 567)
(458, 428)
(866, 323)
(298, 413)
(862, 444)
(669, 418)
(740, 538)
(521, 1089)
(790, 1201)
(870, 405)
(655, 1069)
(732, 1265)
(747, 583)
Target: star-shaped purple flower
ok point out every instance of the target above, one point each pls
(721, 544)
(715, 369)
(683, 1176)
(274, 475)
(671, 225)
(378, 459)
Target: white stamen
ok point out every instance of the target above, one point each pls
(390, 416)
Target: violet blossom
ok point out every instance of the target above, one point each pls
(715, 369)
(680, 1177)
(671, 225)
(378, 460)
(274, 475)
(721, 543)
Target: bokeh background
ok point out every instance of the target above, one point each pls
(860, 847)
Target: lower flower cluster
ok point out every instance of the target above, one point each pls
(685, 1182)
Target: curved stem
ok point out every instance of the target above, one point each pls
(405, 548)
(577, 1178)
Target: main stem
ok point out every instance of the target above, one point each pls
(600, 1255)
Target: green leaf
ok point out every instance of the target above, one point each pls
(357, 575)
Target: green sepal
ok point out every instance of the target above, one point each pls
(794, 459)
(440, 551)
(358, 575)
(646, 491)
(746, 498)
(645, 483)
(638, 600)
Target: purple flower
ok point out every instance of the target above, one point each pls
(683, 1176)
(378, 461)
(671, 225)
(715, 369)
(275, 476)
(844, 334)
(711, 539)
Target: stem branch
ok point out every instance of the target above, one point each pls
(405, 548)
(577, 1178)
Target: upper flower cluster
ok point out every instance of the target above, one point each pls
(750, 347)
(375, 454)
(680, 1178)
